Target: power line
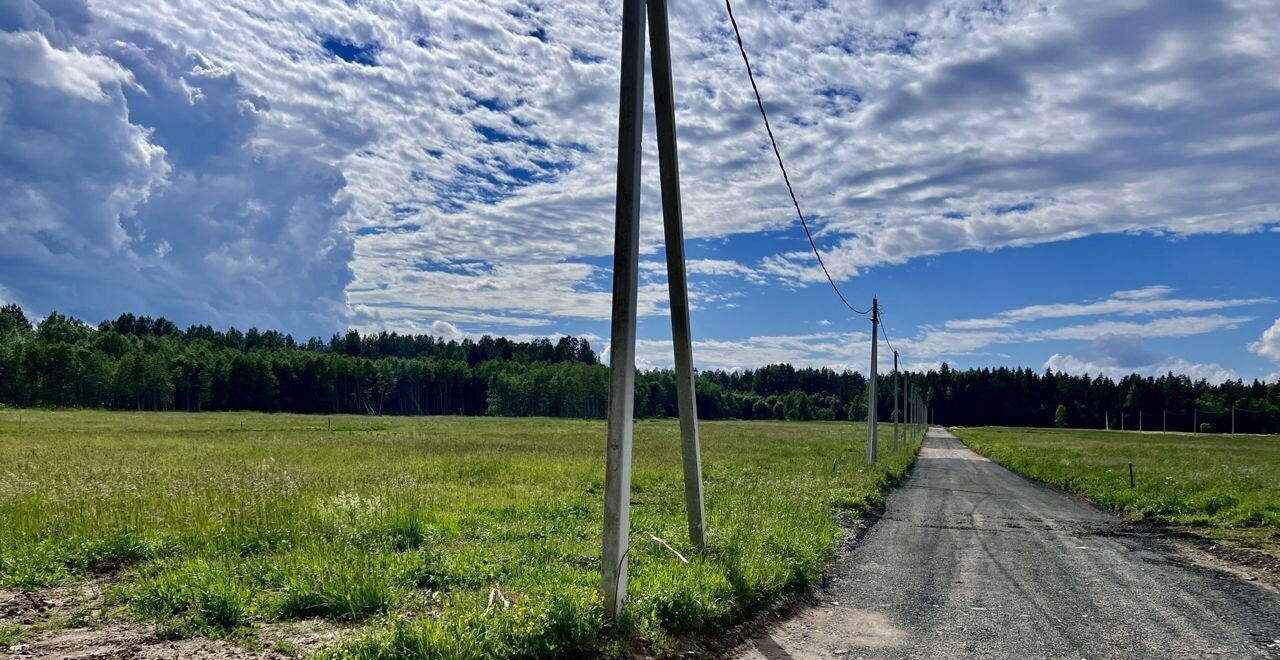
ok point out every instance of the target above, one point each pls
(778, 155)
(885, 333)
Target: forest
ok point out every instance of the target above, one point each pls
(143, 363)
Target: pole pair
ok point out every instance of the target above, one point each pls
(626, 257)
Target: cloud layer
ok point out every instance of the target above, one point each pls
(313, 165)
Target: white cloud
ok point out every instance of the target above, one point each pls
(1071, 364)
(1268, 345)
(445, 329)
(951, 342)
(1145, 293)
(1174, 326)
(134, 178)
(1149, 300)
(839, 351)
(73, 164)
(31, 59)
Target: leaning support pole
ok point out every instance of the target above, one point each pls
(673, 226)
(872, 431)
(622, 346)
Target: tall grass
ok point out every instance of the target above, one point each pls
(405, 527)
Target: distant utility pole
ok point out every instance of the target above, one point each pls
(1139, 420)
(1121, 420)
(872, 433)
(895, 400)
(617, 495)
(1106, 420)
(1164, 421)
(1195, 419)
(1233, 420)
(909, 403)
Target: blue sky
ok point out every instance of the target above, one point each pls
(1083, 186)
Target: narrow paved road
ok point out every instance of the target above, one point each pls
(974, 561)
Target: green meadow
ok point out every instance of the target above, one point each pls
(1220, 486)
(451, 537)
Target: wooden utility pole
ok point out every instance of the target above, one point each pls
(872, 433)
(618, 446)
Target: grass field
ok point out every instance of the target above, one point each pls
(404, 527)
(1225, 487)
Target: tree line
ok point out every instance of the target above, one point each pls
(141, 363)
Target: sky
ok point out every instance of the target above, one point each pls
(1083, 186)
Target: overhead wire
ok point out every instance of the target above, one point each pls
(778, 154)
(885, 333)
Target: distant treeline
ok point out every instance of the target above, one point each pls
(141, 363)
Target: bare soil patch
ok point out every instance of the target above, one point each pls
(75, 622)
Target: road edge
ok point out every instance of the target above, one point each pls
(720, 643)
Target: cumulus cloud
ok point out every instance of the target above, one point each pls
(1268, 345)
(135, 180)
(73, 165)
(31, 59)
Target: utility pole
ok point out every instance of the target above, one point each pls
(618, 445)
(1195, 425)
(1106, 420)
(1233, 420)
(626, 255)
(909, 403)
(1164, 421)
(1139, 421)
(895, 400)
(872, 433)
(1122, 420)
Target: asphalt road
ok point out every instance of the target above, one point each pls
(973, 561)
